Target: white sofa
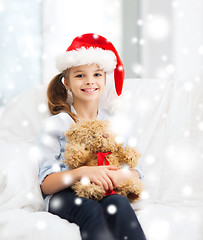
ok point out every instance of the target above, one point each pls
(166, 119)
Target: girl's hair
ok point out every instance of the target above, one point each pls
(58, 97)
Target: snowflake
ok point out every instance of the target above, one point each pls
(25, 123)
(111, 209)
(161, 73)
(119, 139)
(188, 86)
(187, 191)
(125, 168)
(139, 22)
(47, 140)
(41, 224)
(78, 201)
(11, 86)
(95, 36)
(200, 50)
(42, 107)
(144, 195)
(137, 68)
(134, 40)
(85, 181)
(120, 68)
(30, 196)
(200, 125)
(175, 4)
(186, 133)
(56, 203)
(158, 27)
(67, 179)
(142, 42)
(2, 7)
(120, 124)
(10, 28)
(19, 68)
(164, 58)
(159, 230)
(34, 153)
(132, 142)
(170, 68)
(185, 50)
(127, 95)
(150, 159)
(133, 224)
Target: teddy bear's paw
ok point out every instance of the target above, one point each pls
(129, 156)
(132, 196)
(90, 191)
(131, 189)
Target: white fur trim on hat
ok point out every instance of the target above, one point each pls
(105, 59)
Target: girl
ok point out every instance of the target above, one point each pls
(83, 74)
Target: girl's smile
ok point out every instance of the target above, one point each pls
(86, 82)
(89, 90)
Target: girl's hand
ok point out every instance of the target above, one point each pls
(99, 175)
(122, 175)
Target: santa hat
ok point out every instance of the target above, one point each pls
(91, 48)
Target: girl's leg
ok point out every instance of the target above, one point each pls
(121, 218)
(87, 214)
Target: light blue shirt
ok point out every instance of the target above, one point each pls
(51, 143)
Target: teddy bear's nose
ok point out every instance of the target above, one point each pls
(105, 135)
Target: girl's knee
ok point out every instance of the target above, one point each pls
(91, 207)
(116, 204)
(118, 200)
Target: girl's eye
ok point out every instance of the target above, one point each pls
(97, 74)
(79, 76)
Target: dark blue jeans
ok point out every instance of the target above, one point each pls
(110, 219)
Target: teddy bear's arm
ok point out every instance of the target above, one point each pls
(76, 155)
(128, 155)
(131, 189)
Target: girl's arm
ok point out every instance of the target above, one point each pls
(99, 175)
(122, 175)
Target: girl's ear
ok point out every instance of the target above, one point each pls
(66, 83)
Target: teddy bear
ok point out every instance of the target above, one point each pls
(93, 143)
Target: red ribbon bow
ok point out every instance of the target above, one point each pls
(101, 158)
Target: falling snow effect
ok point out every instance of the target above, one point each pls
(41, 225)
(111, 209)
(164, 130)
(158, 27)
(67, 179)
(56, 203)
(85, 181)
(78, 201)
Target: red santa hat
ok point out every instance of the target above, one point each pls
(91, 48)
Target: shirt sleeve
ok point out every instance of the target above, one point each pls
(140, 171)
(138, 168)
(48, 144)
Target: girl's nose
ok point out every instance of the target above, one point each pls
(89, 80)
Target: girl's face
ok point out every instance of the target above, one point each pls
(86, 82)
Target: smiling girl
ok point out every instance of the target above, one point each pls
(83, 75)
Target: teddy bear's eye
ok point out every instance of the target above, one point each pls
(93, 136)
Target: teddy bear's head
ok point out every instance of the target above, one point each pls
(95, 136)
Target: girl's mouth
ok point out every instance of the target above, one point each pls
(89, 89)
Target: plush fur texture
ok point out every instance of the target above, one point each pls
(105, 59)
(87, 138)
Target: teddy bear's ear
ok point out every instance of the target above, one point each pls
(76, 128)
(73, 128)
